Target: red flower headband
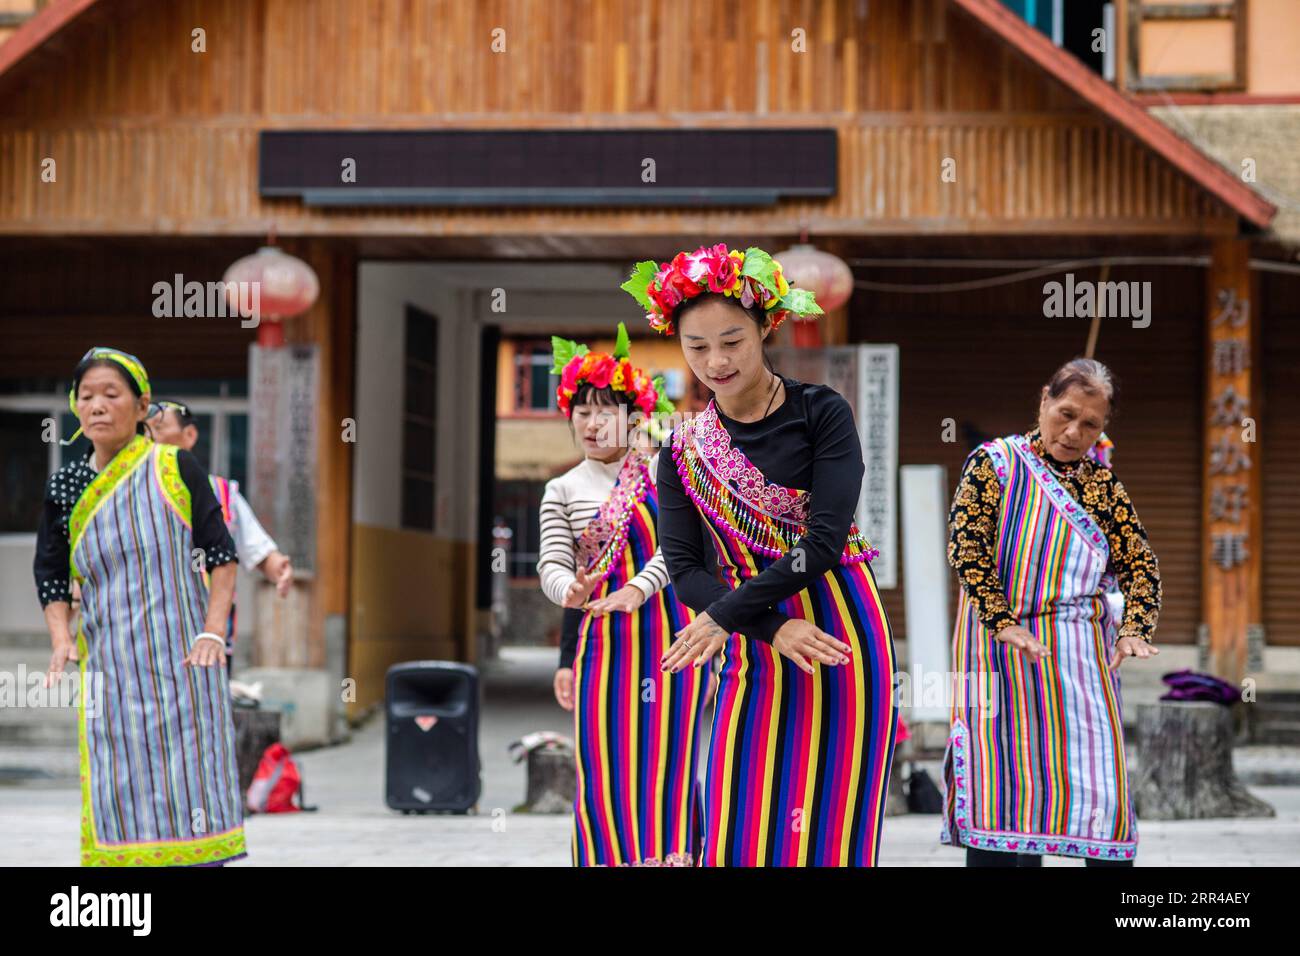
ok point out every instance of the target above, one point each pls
(751, 276)
(577, 365)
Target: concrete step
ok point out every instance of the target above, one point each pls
(38, 734)
(28, 641)
(38, 766)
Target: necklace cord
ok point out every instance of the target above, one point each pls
(775, 389)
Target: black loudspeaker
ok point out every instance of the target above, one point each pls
(431, 715)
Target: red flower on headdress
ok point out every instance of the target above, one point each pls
(718, 266)
(569, 377)
(601, 371)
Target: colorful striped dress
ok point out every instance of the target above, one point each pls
(1035, 758)
(636, 727)
(797, 763)
(159, 783)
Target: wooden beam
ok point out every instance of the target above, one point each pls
(47, 22)
(1232, 597)
(1186, 82)
(1190, 11)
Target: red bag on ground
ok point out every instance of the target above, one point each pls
(276, 783)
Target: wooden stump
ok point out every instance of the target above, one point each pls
(255, 729)
(552, 781)
(1185, 764)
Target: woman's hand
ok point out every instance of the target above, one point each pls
(1131, 647)
(58, 621)
(626, 599)
(205, 653)
(65, 651)
(278, 569)
(1022, 640)
(564, 687)
(583, 584)
(803, 641)
(697, 641)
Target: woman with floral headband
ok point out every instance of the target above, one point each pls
(1040, 531)
(770, 472)
(637, 734)
(137, 526)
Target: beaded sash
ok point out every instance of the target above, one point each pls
(767, 518)
(605, 536)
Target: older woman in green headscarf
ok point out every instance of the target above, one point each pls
(137, 526)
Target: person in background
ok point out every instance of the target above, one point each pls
(172, 423)
(637, 729)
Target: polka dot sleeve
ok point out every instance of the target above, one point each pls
(53, 577)
(210, 532)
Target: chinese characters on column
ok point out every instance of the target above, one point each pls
(1230, 462)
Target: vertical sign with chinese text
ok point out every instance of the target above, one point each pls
(867, 376)
(1231, 603)
(283, 402)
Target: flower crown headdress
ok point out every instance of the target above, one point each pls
(577, 365)
(752, 276)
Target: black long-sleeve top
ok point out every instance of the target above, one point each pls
(66, 486)
(810, 443)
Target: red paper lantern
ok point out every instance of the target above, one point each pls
(826, 276)
(285, 286)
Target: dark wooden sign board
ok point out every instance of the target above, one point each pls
(691, 167)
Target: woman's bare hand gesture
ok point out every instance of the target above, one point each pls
(1022, 640)
(804, 642)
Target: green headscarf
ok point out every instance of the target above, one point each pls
(133, 367)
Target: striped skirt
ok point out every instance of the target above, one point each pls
(799, 763)
(637, 732)
(1035, 760)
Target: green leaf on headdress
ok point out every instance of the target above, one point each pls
(800, 302)
(664, 406)
(759, 265)
(640, 280)
(622, 345)
(563, 351)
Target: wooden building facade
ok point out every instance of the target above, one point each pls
(962, 138)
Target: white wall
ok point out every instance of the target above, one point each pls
(384, 291)
(539, 297)
(20, 609)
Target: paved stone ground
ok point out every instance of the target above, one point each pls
(38, 822)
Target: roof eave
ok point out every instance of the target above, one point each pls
(33, 34)
(1068, 70)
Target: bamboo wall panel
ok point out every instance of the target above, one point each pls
(150, 136)
(1033, 175)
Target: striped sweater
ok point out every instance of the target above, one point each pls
(569, 503)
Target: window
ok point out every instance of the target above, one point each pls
(1162, 56)
(27, 459)
(518, 501)
(534, 384)
(419, 418)
(1073, 26)
(24, 465)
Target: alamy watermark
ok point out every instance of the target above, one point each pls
(975, 692)
(1085, 299)
(208, 300)
(20, 688)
